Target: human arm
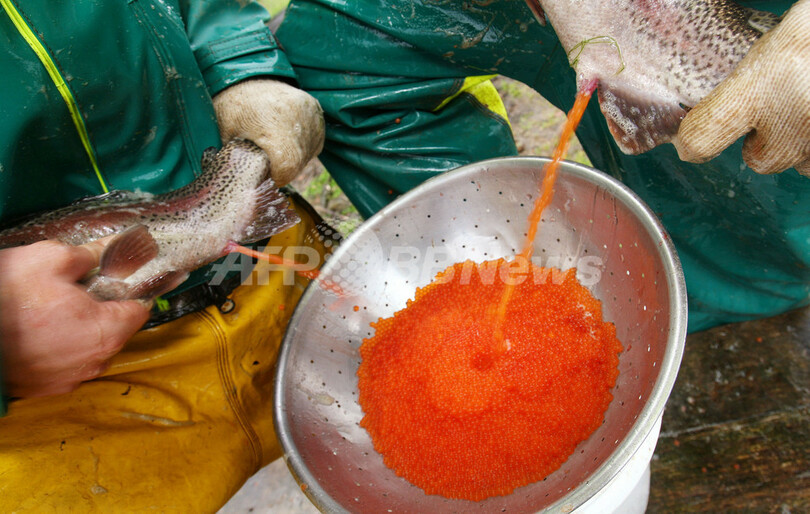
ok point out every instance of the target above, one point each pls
(765, 97)
(250, 79)
(53, 334)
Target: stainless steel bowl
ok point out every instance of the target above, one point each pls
(479, 212)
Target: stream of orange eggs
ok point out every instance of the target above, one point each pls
(543, 201)
(457, 408)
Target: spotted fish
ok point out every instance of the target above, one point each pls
(159, 239)
(653, 60)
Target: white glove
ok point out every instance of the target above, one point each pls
(766, 96)
(282, 120)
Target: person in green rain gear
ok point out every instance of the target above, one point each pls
(99, 96)
(127, 95)
(405, 89)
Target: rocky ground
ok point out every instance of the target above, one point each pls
(535, 122)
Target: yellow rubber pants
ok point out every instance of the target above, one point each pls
(177, 424)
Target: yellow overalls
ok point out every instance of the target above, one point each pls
(179, 421)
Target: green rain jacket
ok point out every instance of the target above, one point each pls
(103, 95)
(384, 75)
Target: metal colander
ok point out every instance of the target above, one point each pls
(479, 212)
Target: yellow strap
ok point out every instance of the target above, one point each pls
(484, 91)
(58, 80)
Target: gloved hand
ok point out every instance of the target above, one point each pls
(282, 120)
(768, 95)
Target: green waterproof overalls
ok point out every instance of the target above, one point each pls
(390, 73)
(103, 95)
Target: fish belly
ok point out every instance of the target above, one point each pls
(653, 59)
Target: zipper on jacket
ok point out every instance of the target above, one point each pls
(59, 81)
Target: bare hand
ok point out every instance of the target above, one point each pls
(53, 334)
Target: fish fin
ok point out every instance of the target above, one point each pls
(537, 10)
(157, 285)
(127, 252)
(639, 122)
(762, 21)
(116, 196)
(272, 214)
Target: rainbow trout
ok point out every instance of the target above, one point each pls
(161, 238)
(653, 60)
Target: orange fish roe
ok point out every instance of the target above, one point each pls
(458, 414)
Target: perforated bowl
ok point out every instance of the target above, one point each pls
(479, 212)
